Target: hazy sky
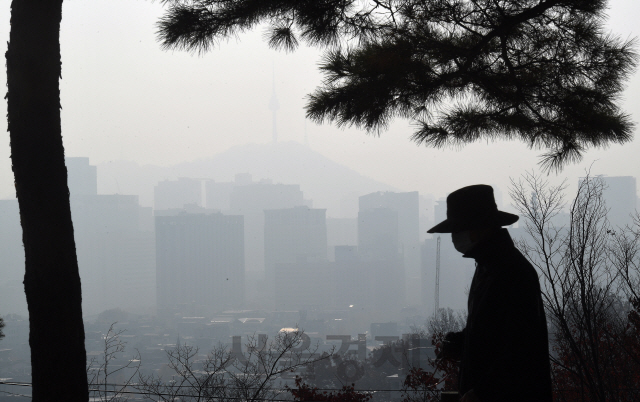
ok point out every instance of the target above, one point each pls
(125, 98)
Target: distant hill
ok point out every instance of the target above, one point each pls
(329, 184)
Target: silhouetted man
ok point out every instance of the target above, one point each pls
(504, 349)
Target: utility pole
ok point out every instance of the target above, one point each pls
(437, 301)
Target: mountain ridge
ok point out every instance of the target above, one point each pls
(329, 184)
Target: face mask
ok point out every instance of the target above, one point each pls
(462, 241)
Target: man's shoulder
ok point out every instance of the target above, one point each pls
(514, 265)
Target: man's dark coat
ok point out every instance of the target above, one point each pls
(505, 348)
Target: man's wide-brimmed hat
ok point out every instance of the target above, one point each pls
(473, 207)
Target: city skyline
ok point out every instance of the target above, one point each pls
(248, 246)
(115, 238)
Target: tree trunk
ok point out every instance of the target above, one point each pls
(51, 281)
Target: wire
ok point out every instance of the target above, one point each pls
(14, 394)
(27, 384)
(192, 396)
(146, 393)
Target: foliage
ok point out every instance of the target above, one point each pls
(304, 392)
(371, 372)
(425, 385)
(108, 380)
(423, 377)
(541, 71)
(590, 272)
(422, 385)
(226, 375)
(2, 324)
(446, 320)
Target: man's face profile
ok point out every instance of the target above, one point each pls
(463, 241)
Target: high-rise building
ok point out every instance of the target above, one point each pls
(295, 249)
(107, 213)
(250, 200)
(295, 234)
(82, 178)
(114, 243)
(346, 253)
(200, 262)
(116, 253)
(407, 208)
(341, 232)
(406, 205)
(258, 196)
(378, 235)
(374, 288)
(218, 194)
(621, 198)
(380, 268)
(174, 194)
